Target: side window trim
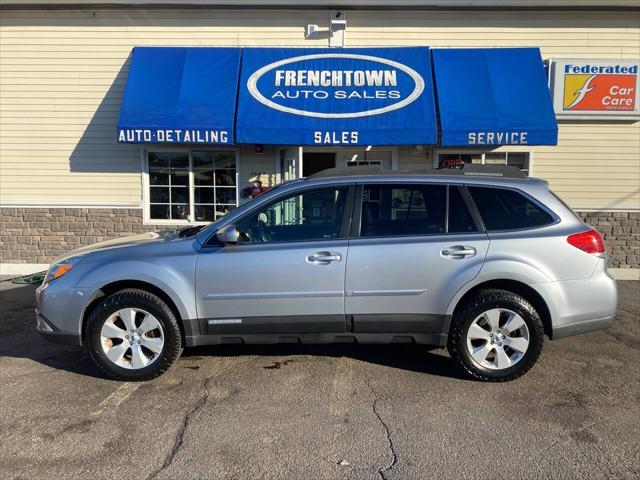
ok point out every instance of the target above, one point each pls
(356, 223)
(346, 221)
(446, 210)
(347, 214)
(473, 209)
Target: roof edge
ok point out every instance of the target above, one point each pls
(398, 5)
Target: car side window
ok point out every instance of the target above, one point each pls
(504, 209)
(392, 210)
(303, 216)
(460, 219)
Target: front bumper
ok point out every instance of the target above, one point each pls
(59, 311)
(49, 331)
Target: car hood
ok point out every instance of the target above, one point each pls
(135, 240)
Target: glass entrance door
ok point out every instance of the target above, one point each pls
(290, 163)
(314, 162)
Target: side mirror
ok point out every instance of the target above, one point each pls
(228, 234)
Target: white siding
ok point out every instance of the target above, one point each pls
(62, 74)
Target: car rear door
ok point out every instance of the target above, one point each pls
(412, 247)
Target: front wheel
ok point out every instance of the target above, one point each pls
(133, 335)
(496, 336)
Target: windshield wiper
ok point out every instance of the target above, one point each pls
(189, 231)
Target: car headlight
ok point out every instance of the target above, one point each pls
(58, 269)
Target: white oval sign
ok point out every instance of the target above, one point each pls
(252, 86)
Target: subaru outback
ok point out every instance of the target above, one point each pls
(486, 263)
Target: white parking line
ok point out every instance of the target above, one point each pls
(118, 396)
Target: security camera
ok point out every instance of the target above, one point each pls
(338, 20)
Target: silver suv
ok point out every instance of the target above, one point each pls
(484, 262)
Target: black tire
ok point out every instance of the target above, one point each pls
(134, 298)
(467, 313)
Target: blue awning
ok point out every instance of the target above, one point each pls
(493, 96)
(329, 97)
(350, 96)
(180, 96)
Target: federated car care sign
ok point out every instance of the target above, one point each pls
(592, 88)
(323, 97)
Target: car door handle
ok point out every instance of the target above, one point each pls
(458, 252)
(324, 258)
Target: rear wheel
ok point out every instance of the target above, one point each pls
(496, 336)
(133, 335)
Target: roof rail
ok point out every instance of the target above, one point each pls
(507, 171)
(469, 169)
(350, 172)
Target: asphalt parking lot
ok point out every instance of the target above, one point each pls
(320, 412)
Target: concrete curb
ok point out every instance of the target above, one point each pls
(625, 273)
(22, 268)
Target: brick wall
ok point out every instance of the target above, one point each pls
(621, 232)
(38, 235)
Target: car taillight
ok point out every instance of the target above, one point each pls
(589, 241)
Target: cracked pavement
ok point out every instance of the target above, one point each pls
(320, 412)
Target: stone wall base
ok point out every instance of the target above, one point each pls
(38, 235)
(621, 233)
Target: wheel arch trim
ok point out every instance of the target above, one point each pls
(166, 295)
(516, 285)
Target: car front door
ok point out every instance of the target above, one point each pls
(286, 273)
(409, 255)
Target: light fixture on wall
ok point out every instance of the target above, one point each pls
(311, 31)
(338, 22)
(335, 32)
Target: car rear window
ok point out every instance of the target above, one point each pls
(504, 209)
(392, 210)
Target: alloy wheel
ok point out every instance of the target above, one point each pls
(497, 339)
(132, 338)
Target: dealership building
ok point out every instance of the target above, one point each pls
(123, 117)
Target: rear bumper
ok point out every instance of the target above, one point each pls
(50, 332)
(580, 306)
(582, 327)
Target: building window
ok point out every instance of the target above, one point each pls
(375, 158)
(214, 183)
(196, 186)
(451, 159)
(168, 185)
